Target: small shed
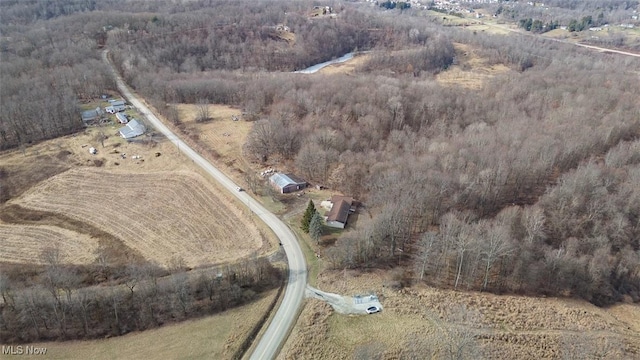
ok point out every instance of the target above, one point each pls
(133, 129)
(122, 118)
(287, 183)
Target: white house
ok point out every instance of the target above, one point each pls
(133, 129)
(116, 106)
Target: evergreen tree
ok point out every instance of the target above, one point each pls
(308, 214)
(315, 227)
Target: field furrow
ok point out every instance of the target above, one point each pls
(24, 244)
(162, 215)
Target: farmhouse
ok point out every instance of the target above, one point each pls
(341, 207)
(116, 106)
(287, 183)
(122, 117)
(133, 129)
(91, 116)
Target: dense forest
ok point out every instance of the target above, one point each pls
(530, 184)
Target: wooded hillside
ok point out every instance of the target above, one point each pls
(528, 185)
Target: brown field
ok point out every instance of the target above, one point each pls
(471, 71)
(23, 244)
(221, 134)
(214, 337)
(162, 215)
(347, 67)
(504, 327)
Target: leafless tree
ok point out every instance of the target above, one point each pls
(203, 113)
(495, 245)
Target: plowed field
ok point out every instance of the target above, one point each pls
(23, 244)
(165, 216)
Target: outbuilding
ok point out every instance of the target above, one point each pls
(133, 129)
(287, 183)
(91, 116)
(116, 106)
(122, 118)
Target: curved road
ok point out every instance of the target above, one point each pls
(286, 315)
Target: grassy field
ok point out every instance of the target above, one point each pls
(424, 318)
(214, 337)
(348, 67)
(471, 71)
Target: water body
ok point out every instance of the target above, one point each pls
(316, 67)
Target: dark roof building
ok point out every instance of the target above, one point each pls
(287, 183)
(340, 210)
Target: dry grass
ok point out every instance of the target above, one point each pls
(23, 244)
(222, 135)
(348, 67)
(214, 337)
(161, 215)
(511, 327)
(471, 71)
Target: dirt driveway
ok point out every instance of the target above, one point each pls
(356, 305)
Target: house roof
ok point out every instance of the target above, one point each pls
(89, 115)
(122, 118)
(282, 180)
(133, 129)
(339, 211)
(117, 103)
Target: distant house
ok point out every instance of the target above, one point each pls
(133, 129)
(91, 116)
(122, 117)
(341, 207)
(287, 183)
(115, 107)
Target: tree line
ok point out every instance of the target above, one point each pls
(58, 304)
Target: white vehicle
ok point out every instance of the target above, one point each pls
(238, 189)
(373, 310)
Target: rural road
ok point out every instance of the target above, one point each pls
(592, 47)
(286, 314)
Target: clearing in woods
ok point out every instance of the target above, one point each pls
(471, 71)
(164, 216)
(221, 134)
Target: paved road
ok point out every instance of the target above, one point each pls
(287, 313)
(592, 47)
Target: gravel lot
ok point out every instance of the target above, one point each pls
(356, 305)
